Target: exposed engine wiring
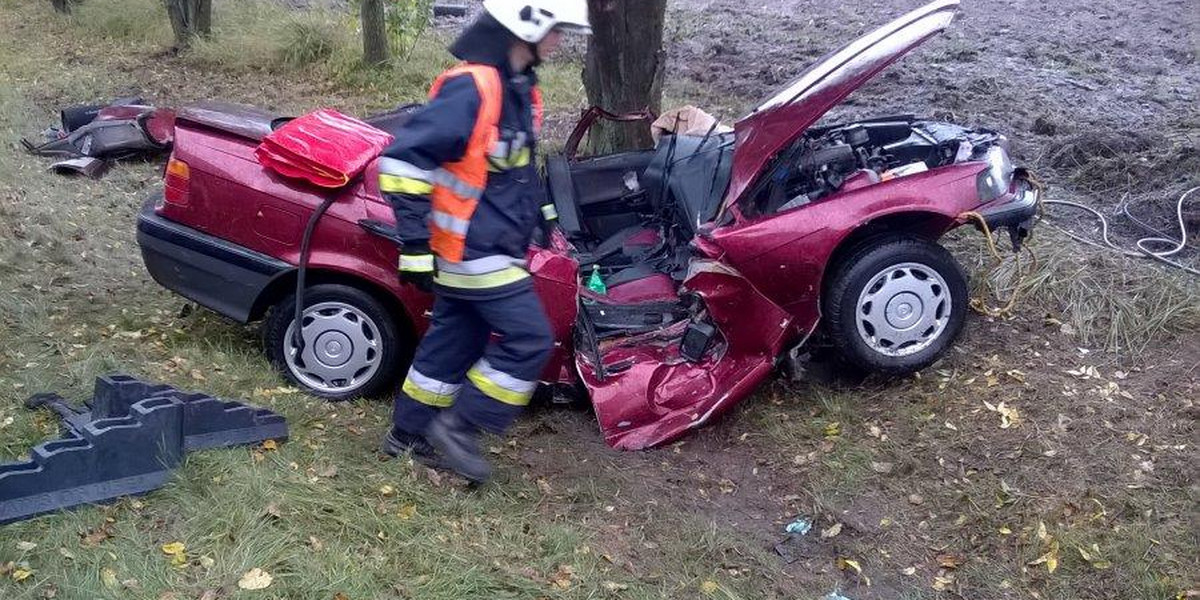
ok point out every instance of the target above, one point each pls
(1143, 245)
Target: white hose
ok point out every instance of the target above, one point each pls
(1143, 244)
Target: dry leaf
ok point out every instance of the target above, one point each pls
(883, 468)
(20, 574)
(833, 430)
(910, 571)
(315, 543)
(270, 445)
(108, 576)
(709, 587)
(613, 586)
(26, 546)
(387, 491)
(255, 579)
(272, 510)
(207, 562)
(949, 561)
(340, 596)
(544, 487)
(562, 578)
(95, 537)
(942, 582)
(916, 499)
(407, 511)
(209, 595)
(173, 548)
(832, 531)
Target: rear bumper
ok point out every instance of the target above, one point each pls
(212, 272)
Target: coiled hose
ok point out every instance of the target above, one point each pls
(1143, 245)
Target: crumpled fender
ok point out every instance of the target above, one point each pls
(651, 395)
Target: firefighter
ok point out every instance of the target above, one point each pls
(468, 200)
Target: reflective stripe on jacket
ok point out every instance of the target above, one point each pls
(472, 193)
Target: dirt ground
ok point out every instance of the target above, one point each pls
(1028, 464)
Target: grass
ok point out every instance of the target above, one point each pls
(1103, 299)
(75, 302)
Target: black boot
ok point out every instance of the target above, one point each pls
(457, 442)
(397, 442)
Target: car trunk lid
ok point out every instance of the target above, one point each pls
(784, 117)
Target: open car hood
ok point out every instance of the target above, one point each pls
(783, 118)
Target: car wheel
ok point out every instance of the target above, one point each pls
(896, 305)
(350, 343)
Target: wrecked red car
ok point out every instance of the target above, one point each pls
(722, 254)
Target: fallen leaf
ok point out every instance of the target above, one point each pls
(407, 511)
(270, 445)
(272, 510)
(387, 491)
(255, 579)
(26, 546)
(942, 582)
(949, 561)
(95, 537)
(709, 587)
(883, 468)
(832, 531)
(207, 562)
(131, 584)
(613, 586)
(544, 487)
(209, 595)
(562, 577)
(108, 577)
(916, 499)
(910, 571)
(67, 554)
(833, 429)
(173, 548)
(340, 596)
(20, 574)
(1094, 558)
(315, 543)
(197, 375)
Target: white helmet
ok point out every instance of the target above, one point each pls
(531, 20)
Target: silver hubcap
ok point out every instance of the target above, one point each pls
(903, 309)
(342, 348)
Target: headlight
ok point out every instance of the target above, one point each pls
(996, 179)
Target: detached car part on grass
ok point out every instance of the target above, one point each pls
(91, 135)
(722, 254)
(127, 443)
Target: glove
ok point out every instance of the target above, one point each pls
(416, 267)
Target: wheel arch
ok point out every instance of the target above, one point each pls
(925, 224)
(285, 283)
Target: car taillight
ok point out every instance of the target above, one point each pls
(177, 182)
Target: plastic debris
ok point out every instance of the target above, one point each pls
(800, 526)
(835, 596)
(127, 442)
(596, 283)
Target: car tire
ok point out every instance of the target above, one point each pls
(355, 346)
(896, 304)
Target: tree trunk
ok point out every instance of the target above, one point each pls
(374, 28)
(624, 68)
(189, 18)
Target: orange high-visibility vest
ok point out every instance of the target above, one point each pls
(458, 186)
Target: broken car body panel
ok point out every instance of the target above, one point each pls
(780, 120)
(648, 394)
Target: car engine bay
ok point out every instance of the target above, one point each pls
(837, 157)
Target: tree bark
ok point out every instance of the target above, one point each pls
(375, 37)
(624, 68)
(189, 18)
